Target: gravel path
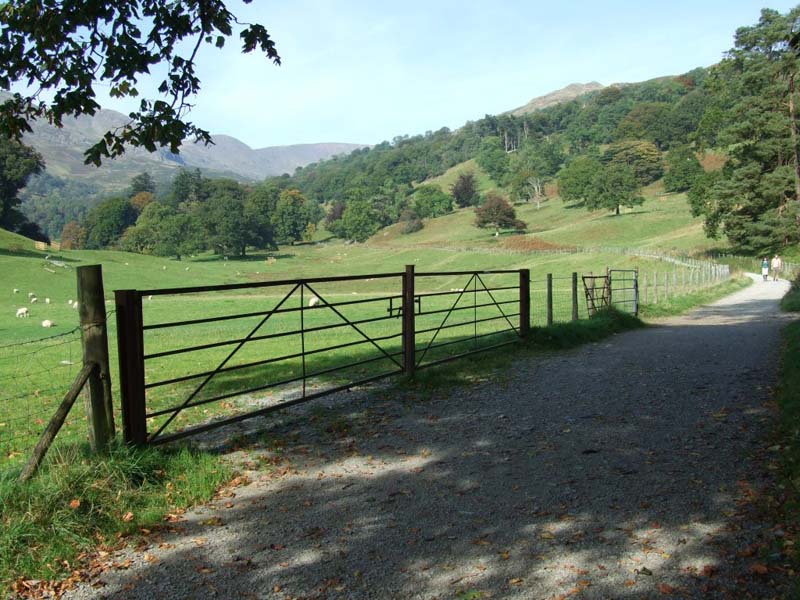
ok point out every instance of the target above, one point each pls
(623, 469)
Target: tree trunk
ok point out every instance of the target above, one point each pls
(616, 213)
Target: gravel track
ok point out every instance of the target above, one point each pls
(622, 469)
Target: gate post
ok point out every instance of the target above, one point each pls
(94, 339)
(130, 344)
(574, 296)
(636, 292)
(549, 299)
(524, 302)
(409, 335)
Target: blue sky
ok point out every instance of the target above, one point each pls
(366, 71)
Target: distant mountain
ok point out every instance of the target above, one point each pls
(63, 149)
(565, 94)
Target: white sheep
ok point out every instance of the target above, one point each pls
(314, 301)
(47, 300)
(149, 297)
(16, 290)
(186, 269)
(164, 268)
(69, 301)
(47, 324)
(31, 294)
(75, 305)
(34, 299)
(22, 312)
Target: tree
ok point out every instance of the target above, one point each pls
(753, 199)
(682, 169)
(430, 201)
(528, 186)
(613, 186)
(73, 236)
(643, 157)
(17, 163)
(106, 222)
(465, 190)
(140, 200)
(143, 182)
(498, 213)
(290, 218)
(188, 187)
(61, 50)
(575, 180)
(359, 220)
(493, 158)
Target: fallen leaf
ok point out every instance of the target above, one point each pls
(74, 503)
(216, 521)
(127, 517)
(759, 569)
(515, 581)
(665, 588)
(546, 535)
(629, 583)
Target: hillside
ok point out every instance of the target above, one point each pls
(62, 149)
(565, 94)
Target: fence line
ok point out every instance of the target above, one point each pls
(40, 372)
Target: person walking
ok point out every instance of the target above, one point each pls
(764, 268)
(777, 267)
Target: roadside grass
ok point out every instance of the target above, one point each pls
(680, 304)
(559, 336)
(787, 396)
(79, 502)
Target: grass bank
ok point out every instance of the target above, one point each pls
(788, 398)
(79, 503)
(680, 304)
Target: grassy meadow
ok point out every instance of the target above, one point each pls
(36, 373)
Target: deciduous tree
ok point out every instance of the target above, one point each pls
(63, 50)
(465, 190)
(498, 213)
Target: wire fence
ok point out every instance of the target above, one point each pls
(34, 376)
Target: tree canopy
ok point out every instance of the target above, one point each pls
(63, 50)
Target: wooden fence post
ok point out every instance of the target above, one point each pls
(636, 292)
(130, 345)
(609, 287)
(574, 296)
(524, 302)
(409, 335)
(94, 337)
(549, 299)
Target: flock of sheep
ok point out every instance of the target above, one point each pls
(24, 312)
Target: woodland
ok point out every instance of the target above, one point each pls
(726, 135)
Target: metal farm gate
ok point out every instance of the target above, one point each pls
(299, 339)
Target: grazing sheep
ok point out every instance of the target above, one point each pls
(164, 268)
(47, 300)
(186, 269)
(47, 323)
(314, 301)
(22, 312)
(69, 301)
(16, 290)
(149, 297)
(34, 299)
(31, 294)
(75, 305)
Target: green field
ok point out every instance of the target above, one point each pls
(35, 372)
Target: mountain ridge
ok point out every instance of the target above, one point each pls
(62, 149)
